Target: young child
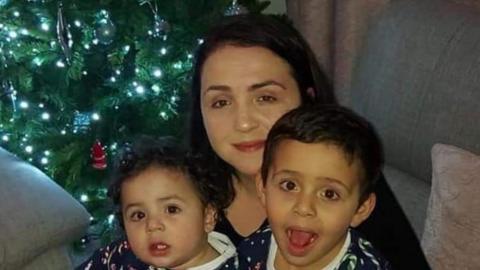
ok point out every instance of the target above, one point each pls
(319, 168)
(168, 210)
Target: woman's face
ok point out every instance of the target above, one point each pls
(244, 90)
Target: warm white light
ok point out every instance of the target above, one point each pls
(95, 41)
(44, 161)
(5, 138)
(44, 26)
(77, 23)
(156, 88)
(86, 46)
(95, 116)
(16, 14)
(29, 149)
(163, 51)
(140, 90)
(200, 41)
(24, 32)
(113, 79)
(60, 64)
(63, 132)
(126, 48)
(45, 116)
(110, 219)
(84, 198)
(12, 34)
(157, 73)
(163, 114)
(24, 105)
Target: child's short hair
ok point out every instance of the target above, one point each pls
(330, 124)
(144, 152)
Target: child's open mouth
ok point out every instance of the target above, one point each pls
(300, 241)
(158, 249)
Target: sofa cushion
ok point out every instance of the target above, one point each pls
(452, 229)
(36, 214)
(417, 80)
(412, 195)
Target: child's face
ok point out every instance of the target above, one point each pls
(312, 197)
(165, 221)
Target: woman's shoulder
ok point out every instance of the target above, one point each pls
(116, 255)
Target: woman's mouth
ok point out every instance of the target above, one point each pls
(158, 249)
(250, 146)
(300, 241)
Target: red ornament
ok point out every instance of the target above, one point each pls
(98, 156)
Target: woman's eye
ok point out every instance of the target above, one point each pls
(172, 209)
(331, 195)
(267, 99)
(137, 216)
(288, 185)
(219, 104)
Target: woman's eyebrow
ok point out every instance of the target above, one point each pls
(266, 83)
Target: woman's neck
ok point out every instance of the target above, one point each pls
(246, 213)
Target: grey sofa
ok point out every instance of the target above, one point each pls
(417, 78)
(38, 219)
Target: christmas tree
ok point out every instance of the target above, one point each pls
(80, 77)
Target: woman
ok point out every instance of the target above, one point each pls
(249, 71)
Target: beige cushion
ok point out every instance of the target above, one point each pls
(451, 239)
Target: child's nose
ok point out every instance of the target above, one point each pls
(304, 206)
(155, 224)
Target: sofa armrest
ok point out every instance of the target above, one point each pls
(36, 214)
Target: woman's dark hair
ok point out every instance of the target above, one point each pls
(144, 152)
(270, 32)
(330, 124)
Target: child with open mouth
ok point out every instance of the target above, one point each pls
(317, 179)
(168, 209)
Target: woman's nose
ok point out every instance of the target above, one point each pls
(245, 118)
(155, 224)
(305, 206)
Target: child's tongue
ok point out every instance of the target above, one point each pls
(300, 238)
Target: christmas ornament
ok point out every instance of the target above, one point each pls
(235, 9)
(81, 122)
(160, 26)
(98, 156)
(63, 34)
(105, 30)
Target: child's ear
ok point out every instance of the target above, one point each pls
(260, 188)
(364, 210)
(210, 218)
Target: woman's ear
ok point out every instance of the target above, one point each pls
(364, 210)
(210, 218)
(260, 188)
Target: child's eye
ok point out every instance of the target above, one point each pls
(331, 194)
(220, 104)
(173, 209)
(267, 99)
(288, 185)
(137, 216)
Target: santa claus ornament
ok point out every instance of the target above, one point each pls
(99, 160)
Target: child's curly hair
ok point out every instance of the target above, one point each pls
(134, 158)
